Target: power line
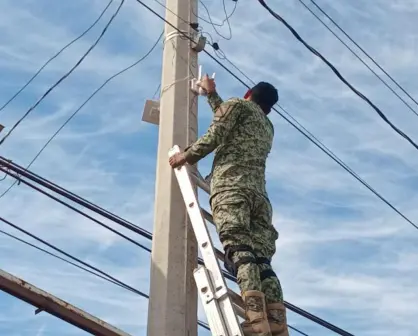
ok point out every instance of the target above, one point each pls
(65, 76)
(226, 20)
(74, 209)
(57, 256)
(56, 55)
(71, 257)
(324, 148)
(297, 330)
(364, 51)
(136, 291)
(227, 16)
(20, 171)
(299, 127)
(358, 93)
(109, 279)
(82, 105)
(17, 177)
(358, 57)
(172, 12)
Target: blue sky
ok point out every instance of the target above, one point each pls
(342, 254)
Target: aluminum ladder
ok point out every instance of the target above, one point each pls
(222, 306)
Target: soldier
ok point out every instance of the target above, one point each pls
(241, 136)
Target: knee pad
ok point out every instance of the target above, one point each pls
(267, 273)
(231, 266)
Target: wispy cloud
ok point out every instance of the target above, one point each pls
(342, 253)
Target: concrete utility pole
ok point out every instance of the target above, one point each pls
(55, 306)
(173, 297)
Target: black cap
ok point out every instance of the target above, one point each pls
(265, 95)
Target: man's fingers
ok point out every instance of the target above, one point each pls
(174, 162)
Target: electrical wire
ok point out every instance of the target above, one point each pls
(108, 278)
(72, 257)
(337, 73)
(299, 127)
(364, 51)
(20, 171)
(156, 91)
(57, 257)
(358, 57)
(227, 16)
(324, 148)
(223, 57)
(65, 76)
(172, 12)
(56, 55)
(341, 332)
(74, 209)
(136, 291)
(82, 105)
(213, 24)
(297, 330)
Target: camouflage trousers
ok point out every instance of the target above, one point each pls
(244, 217)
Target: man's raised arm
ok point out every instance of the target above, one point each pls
(214, 100)
(225, 118)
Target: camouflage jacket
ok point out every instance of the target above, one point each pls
(241, 136)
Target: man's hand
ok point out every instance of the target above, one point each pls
(177, 160)
(207, 84)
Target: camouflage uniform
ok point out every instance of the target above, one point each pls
(241, 136)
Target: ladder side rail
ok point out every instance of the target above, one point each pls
(206, 247)
(210, 304)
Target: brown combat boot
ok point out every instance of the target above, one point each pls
(276, 313)
(256, 323)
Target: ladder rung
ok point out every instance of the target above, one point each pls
(219, 307)
(200, 182)
(208, 216)
(237, 302)
(236, 298)
(239, 311)
(219, 255)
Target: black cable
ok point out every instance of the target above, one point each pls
(227, 16)
(358, 57)
(370, 57)
(82, 105)
(75, 198)
(56, 55)
(213, 24)
(136, 291)
(297, 330)
(72, 257)
(358, 93)
(202, 324)
(322, 146)
(232, 277)
(222, 56)
(21, 171)
(329, 326)
(156, 91)
(74, 209)
(57, 257)
(65, 76)
(172, 12)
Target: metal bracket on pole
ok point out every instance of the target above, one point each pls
(198, 42)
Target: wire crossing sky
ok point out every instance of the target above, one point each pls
(340, 247)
